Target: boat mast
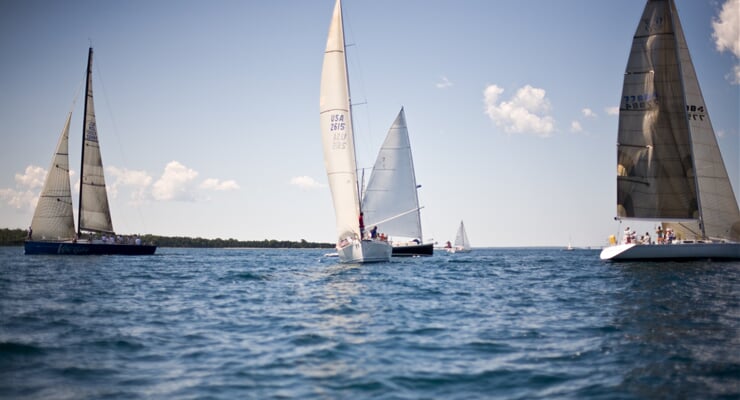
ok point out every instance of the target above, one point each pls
(84, 124)
(675, 23)
(351, 114)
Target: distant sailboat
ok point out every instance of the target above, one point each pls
(462, 244)
(353, 246)
(52, 227)
(669, 164)
(391, 201)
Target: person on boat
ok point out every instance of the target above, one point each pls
(646, 238)
(448, 245)
(627, 236)
(374, 232)
(362, 225)
(659, 232)
(30, 233)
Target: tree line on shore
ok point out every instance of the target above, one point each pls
(15, 237)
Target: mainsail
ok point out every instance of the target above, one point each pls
(669, 164)
(336, 131)
(391, 194)
(53, 218)
(94, 211)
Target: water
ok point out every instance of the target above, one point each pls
(497, 323)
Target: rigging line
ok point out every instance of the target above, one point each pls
(142, 220)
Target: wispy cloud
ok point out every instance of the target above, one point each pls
(589, 113)
(306, 182)
(215, 184)
(612, 110)
(444, 83)
(576, 127)
(726, 34)
(528, 111)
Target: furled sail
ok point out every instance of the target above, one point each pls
(94, 210)
(669, 164)
(391, 194)
(53, 218)
(336, 131)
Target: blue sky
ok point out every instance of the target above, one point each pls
(208, 119)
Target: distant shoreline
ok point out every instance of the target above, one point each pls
(15, 237)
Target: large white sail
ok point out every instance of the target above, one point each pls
(94, 210)
(53, 217)
(336, 131)
(669, 164)
(391, 194)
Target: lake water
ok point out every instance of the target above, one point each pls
(262, 324)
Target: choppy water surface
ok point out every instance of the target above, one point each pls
(495, 323)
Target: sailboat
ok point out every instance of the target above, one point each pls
(52, 227)
(391, 199)
(669, 164)
(462, 244)
(353, 243)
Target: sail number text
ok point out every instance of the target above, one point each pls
(694, 113)
(337, 127)
(641, 101)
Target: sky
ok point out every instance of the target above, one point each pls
(208, 111)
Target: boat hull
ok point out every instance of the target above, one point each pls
(664, 252)
(86, 248)
(365, 251)
(413, 250)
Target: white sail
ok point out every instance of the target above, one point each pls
(461, 239)
(391, 193)
(669, 164)
(94, 210)
(53, 217)
(336, 132)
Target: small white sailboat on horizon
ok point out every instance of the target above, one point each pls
(669, 166)
(462, 244)
(391, 197)
(353, 245)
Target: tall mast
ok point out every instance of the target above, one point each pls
(351, 114)
(675, 24)
(84, 124)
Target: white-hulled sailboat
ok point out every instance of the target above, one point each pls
(339, 152)
(462, 244)
(52, 227)
(390, 200)
(669, 164)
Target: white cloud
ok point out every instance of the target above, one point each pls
(306, 182)
(176, 183)
(727, 33)
(587, 112)
(19, 199)
(25, 194)
(138, 181)
(32, 178)
(444, 84)
(612, 110)
(526, 112)
(576, 127)
(215, 184)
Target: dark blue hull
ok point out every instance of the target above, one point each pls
(413, 250)
(39, 247)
